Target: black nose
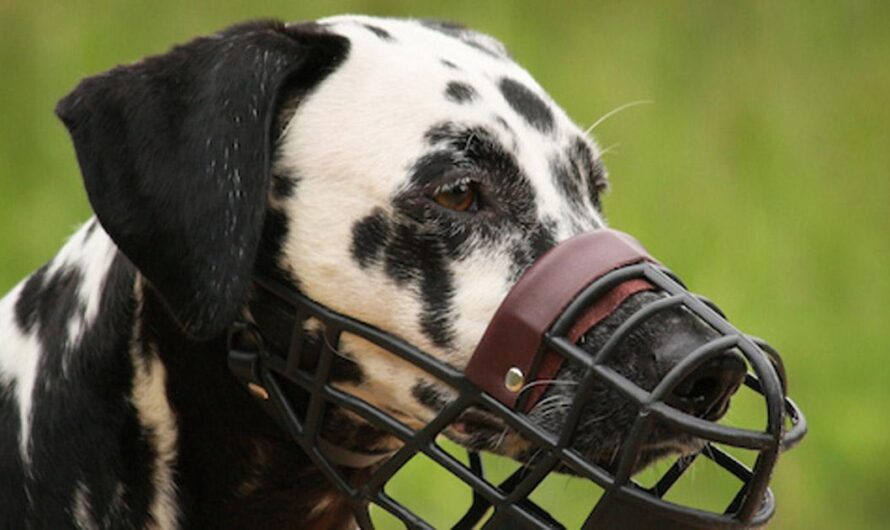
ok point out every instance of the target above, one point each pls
(706, 391)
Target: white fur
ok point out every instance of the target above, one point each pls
(352, 141)
(93, 260)
(19, 359)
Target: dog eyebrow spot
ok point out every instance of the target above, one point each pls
(380, 32)
(460, 92)
(369, 237)
(431, 166)
(448, 64)
(527, 104)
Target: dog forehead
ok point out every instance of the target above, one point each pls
(400, 79)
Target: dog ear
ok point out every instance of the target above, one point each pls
(175, 152)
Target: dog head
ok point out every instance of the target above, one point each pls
(404, 173)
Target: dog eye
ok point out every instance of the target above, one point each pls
(461, 197)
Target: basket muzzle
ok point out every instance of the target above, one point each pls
(533, 334)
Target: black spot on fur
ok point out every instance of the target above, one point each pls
(416, 244)
(429, 395)
(541, 238)
(448, 64)
(502, 123)
(29, 300)
(411, 254)
(474, 39)
(497, 54)
(527, 104)
(49, 301)
(60, 302)
(575, 171)
(283, 186)
(271, 243)
(591, 169)
(380, 32)
(447, 27)
(431, 167)
(445, 131)
(415, 257)
(346, 371)
(567, 178)
(91, 227)
(460, 92)
(369, 237)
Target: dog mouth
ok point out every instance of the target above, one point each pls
(478, 430)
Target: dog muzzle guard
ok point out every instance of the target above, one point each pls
(534, 332)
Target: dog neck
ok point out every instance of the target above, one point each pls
(234, 467)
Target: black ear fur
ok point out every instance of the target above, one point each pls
(175, 152)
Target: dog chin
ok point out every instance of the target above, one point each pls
(650, 455)
(605, 458)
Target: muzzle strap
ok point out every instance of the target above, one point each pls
(551, 362)
(513, 340)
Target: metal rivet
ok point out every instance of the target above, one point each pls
(258, 391)
(514, 379)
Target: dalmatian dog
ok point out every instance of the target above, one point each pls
(402, 172)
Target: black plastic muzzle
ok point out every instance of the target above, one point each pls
(297, 395)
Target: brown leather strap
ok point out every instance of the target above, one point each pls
(605, 306)
(514, 335)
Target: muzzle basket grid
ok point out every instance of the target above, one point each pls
(624, 504)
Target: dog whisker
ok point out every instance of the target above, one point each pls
(547, 382)
(615, 111)
(610, 149)
(528, 463)
(551, 399)
(500, 439)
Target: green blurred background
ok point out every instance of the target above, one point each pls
(759, 173)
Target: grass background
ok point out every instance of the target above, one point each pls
(760, 174)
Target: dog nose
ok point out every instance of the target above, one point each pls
(706, 391)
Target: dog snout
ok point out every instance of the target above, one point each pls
(707, 390)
